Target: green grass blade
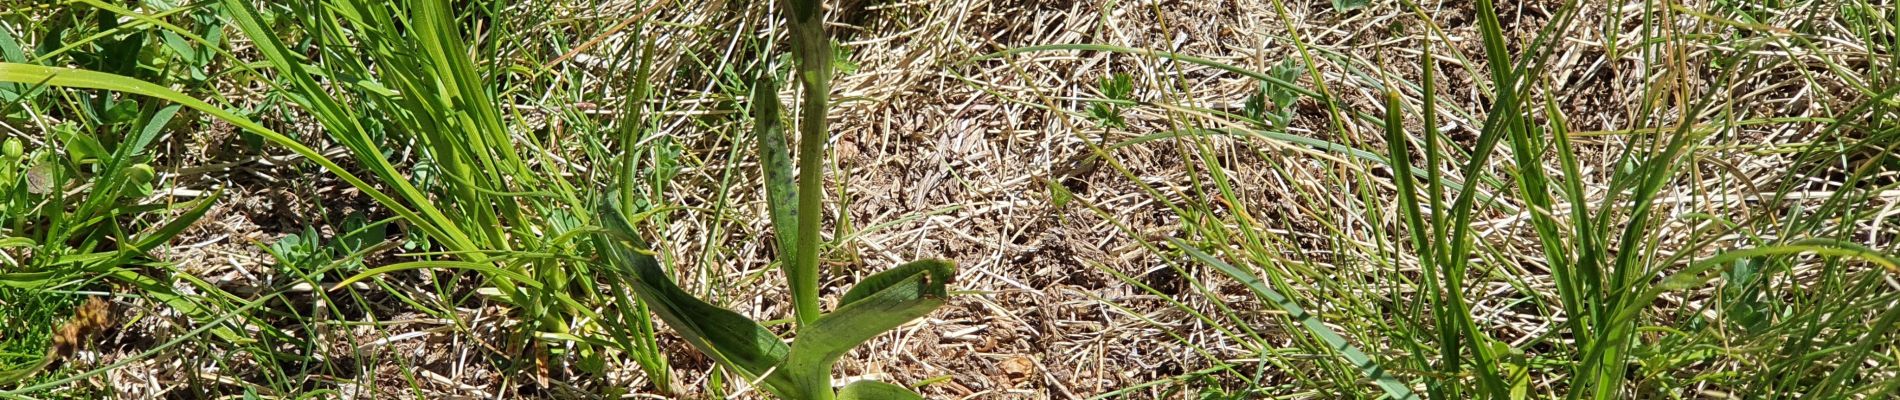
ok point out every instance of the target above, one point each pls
(1401, 162)
(166, 232)
(74, 78)
(1311, 323)
(347, 128)
(486, 268)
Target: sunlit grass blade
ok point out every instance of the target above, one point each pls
(1372, 370)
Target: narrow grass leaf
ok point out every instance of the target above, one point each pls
(1366, 365)
(75, 78)
(486, 268)
(172, 228)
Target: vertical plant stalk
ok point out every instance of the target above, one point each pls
(812, 52)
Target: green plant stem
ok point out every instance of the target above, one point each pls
(813, 55)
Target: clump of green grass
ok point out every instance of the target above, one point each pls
(389, 79)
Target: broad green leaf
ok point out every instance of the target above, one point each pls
(781, 187)
(10, 48)
(886, 302)
(732, 339)
(883, 302)
(81, 146)
(940, 270)
(874, 390)
(152, 129)
(10, 52)
(1372, 370)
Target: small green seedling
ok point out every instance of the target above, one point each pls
(1118, 90)
(1273, 104)
(308, 252)
(883, 301)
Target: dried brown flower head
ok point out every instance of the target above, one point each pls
(93, 317)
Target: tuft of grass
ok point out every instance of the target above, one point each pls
(472, 193)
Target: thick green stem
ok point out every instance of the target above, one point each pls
(813, 54)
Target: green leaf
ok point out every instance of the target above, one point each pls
(841, 59)
(343, 124)
(162, 290)
(81, 146)
(485, 268)
(1107, 116)
(882, 302)
(1282, 96)
(1059, 195)
(153, 127)
(1349, 5)
(874, 390)
(940, 270)
(121, 112)
(732, 339)
(171, 229)
(27, 280)
(781, 188)
(1118, 87)
(1371, 368)
(17, 242)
